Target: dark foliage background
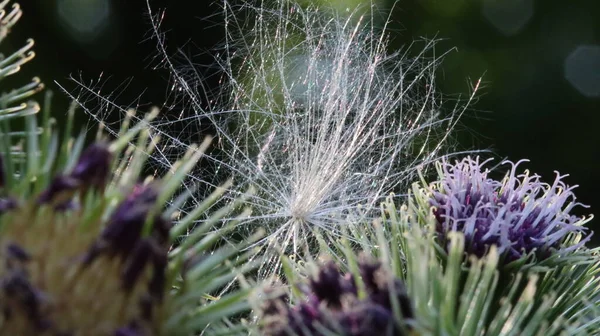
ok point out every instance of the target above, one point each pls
(539, 62)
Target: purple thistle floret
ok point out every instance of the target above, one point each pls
(92, 171)
(61, 190)
(332, 304)
(132, 329)
(7, 204)
(93, 167)
(123, 237)
(520, 214)
(125, 225)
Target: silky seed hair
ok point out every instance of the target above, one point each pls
(313, 111)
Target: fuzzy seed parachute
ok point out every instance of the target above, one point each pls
(315, 114)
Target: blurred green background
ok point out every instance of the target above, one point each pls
(539, 62)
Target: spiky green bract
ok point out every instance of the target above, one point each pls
(11, 64)
(11, 101)
(458, 294)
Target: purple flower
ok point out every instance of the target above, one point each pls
(93, 167)
(378, 284)
(22, 295)
(60, 191)
(16, 252)
(329, 285)
(368, 319)
(123, 238)
(124, 228)
(7, 204)
(132, 329)
(91, 171)
(332, 304)
(519, 214)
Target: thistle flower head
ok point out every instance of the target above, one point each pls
(91, 253)
(46, 276)
(84, 250)
(520, 214)
(453, 296)
(332, 304)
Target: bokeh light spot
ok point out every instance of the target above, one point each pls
(582, 70)
(85, 19)
(508, 16)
